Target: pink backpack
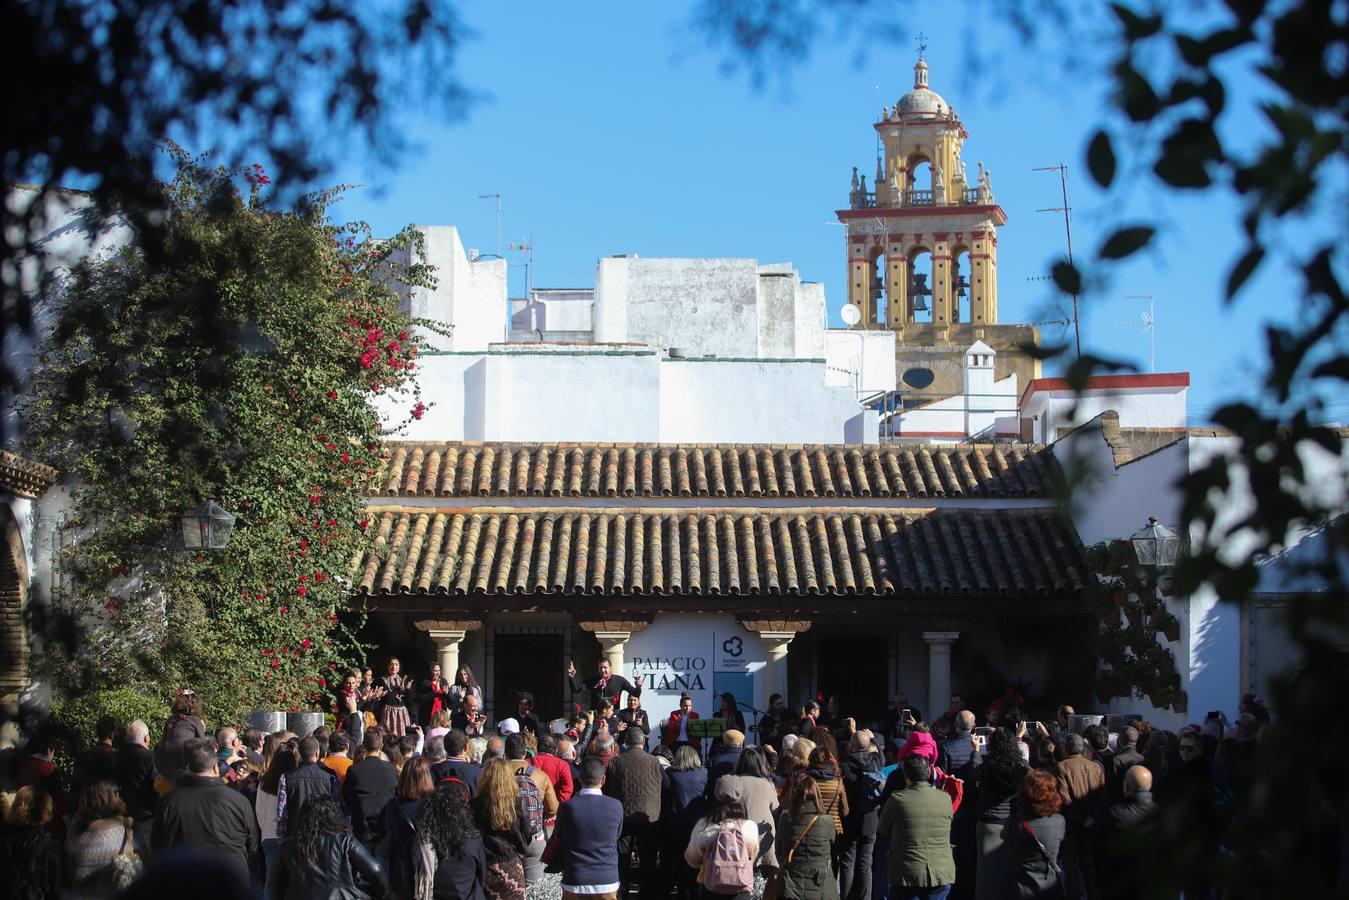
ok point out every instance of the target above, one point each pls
(729, 867)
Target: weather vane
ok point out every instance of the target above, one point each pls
(922, 45)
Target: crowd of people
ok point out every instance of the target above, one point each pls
(410, 794)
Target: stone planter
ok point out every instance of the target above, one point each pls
(268, 721)
(303, 723)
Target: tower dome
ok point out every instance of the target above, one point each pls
(922, 101)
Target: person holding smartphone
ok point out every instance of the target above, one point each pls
(470, 719)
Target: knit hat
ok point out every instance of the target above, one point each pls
(919, 744)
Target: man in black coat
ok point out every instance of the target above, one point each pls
(634, 779)
(135, 776)
(605, 685)
(203, 814)
(366, 789)
(1126, 756)
(725, 760)
(306, 780)
(1115, 863)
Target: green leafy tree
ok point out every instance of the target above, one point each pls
(151, 406)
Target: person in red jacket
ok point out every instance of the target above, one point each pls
(556, 768)
(676, 727)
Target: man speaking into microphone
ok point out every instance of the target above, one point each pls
(605, 685)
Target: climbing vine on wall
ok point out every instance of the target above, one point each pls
(239, 363)
(1132, 622)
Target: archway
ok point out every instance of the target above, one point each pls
(920, 285)
(919, 189)
(880, 298)
(962, 309)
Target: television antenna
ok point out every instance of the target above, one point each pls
(1147, 323)
(1068, 230)
(526, 246)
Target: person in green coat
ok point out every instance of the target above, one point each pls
(916, 821)
(805, 844)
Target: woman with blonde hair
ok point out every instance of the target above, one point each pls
(30, 855)
(498, 817)
(440, 724)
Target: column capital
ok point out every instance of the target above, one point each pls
(614, 626)
(936, 638)
(431, 626)
(781, 626)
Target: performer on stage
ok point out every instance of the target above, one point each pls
(634, 716)
(435, 694)
(394, 712)
(464, 684)
(605, 684)
(677, 726)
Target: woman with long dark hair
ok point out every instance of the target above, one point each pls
(1000, 777)
(497, 815)
(434, 694)
(415, 784)
(322, 859)
(805, 845)
(730, 713)
(267, 801)
(393, 712)
(451, 862)
(464, 684)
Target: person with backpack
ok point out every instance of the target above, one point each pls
(864, 786)
(538, 804)
(505, 829)
(725, 844)
(805, 846)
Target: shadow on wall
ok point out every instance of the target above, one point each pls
(475, 393)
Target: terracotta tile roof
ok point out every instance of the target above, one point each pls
(977, 553)
(23, 477)
(498, 469)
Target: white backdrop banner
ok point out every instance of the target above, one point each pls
(706, 654)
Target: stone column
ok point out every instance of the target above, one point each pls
(447, 635)
(613, 638)
(938, 671)
(776, 637)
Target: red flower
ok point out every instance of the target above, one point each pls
(402, 335)
(346, 457)
(365, 523)
(303, 579)
(419, 410)
(306, 643)
(301, 590)
(283, 610)
(276, 662)
(304, 542)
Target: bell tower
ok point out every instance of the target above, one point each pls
(922, 247)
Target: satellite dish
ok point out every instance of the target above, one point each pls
(851, 314)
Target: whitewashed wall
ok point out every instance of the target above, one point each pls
(860, 359)
(1137, 408)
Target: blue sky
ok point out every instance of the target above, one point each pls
(615, 130)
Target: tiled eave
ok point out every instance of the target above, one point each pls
(464, 469)
(715, 558)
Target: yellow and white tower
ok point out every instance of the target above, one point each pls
(922, 242)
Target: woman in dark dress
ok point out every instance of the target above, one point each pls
(415, 784)
(435, 695)
(451, 863)
(1000, 778)
(393, 715)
